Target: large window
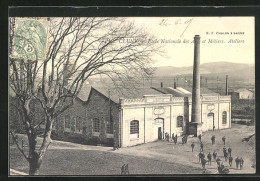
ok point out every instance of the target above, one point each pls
(224, 117)
(96, 125)
(134, 127)
(67, 121)
(179, 121)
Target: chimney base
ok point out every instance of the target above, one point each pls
(195, 128)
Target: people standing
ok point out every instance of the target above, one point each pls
(172, 136)
(209, 158)
(237, 160)
(192, 146)
(230, 161)
(176, 138)
(186, 138)
(183, 140)
(224, 140)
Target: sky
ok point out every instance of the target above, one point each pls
(217, 42)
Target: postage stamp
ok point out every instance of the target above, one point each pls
(30, 39)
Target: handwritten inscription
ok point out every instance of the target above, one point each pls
(178, 22)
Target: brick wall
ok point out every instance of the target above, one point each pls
(98, 108)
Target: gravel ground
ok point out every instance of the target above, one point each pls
(161, 157)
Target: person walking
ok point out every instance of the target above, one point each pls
(123, 170)
(203, 163)
(224, 150)
(237, 160)
(199, 137)
(183, 140)
(214, 155)
(218, 161)
(213, 139)
(224, 140)
(209, 158)
(241, 163)
(192, 146)
(172, 136)
(200, 156)
(186, 138)
(229, 151)
(230, 159)
(225, 156)
(201, 146)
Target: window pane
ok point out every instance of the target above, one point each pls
(67, 121)
(179, 121)
(96, 125)
(224, 117)
(134, 127)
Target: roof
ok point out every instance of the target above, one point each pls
(84, 92)
(134, 93)
(184, 91)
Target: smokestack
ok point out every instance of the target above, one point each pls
(161, 85)
(174, 85)
(226, 84)
(195, 117)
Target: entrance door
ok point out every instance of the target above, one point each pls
(159, 133)
(210, 121)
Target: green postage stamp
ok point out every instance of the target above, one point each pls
(30, 39)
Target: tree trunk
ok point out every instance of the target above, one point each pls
(34, 164)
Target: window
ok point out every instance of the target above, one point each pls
(79, 124)
(134, 127)
(96, 125)
(224, 117)
(179, 121)
(67, 121)
(110, 126)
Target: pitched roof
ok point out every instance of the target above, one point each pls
(116, 94)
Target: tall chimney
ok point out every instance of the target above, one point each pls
(174, 85)
(226, 84)
(195, 117)
(161, 85)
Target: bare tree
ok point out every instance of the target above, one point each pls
(78, 48)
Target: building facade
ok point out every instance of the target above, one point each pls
(148, 119)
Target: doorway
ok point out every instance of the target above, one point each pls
(159, 133)
(210, 121)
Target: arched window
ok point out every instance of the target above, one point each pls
(224, 117)
(96, 125)
(179, 121)
(134, 127)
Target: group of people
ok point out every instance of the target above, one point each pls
(124, 170)
(174, 138)
(226, 152)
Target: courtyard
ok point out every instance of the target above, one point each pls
(160, 157)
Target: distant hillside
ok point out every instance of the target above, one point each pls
(215, 68)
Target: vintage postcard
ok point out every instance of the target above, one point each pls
(131, 95)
